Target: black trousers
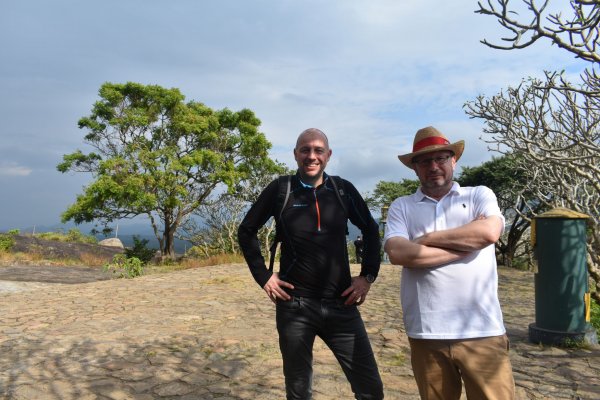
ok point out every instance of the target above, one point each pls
(342, 329)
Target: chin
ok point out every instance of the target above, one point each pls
(311, 173)
(436, 184)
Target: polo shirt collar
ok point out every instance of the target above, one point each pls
(420, 196)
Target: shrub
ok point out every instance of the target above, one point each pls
(140, 250)
(7, 240)
(125, 267)
(196, 252)
(73, 236)
(595, 316)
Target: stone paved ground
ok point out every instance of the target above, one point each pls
(209, 333)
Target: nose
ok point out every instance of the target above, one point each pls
(433, 166)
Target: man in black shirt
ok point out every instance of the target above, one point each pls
(314, 292)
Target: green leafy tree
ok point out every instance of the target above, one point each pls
(157, 156)
(385, 192)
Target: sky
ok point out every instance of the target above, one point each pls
(367, 73)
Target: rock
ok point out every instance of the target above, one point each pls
(112, 242)
(45, 251)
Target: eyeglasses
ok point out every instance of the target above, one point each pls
(438, 160)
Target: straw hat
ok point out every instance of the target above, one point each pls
(428, 140)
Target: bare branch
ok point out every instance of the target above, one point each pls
(553, 126)
(578, 35)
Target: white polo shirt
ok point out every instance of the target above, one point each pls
(458, 300)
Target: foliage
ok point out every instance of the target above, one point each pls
(595, 316)
(195, 252)
(140, 250)
(73, 236)
(505, 176)
(501, 174)
(385, 192)
(551, 123)
(158, 156)
(351, 249)
(214, 230)
(7, 240)
(125, 267)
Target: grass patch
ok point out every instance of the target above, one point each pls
(396, 360)
(13, 258)
(72, 236)
(91, 260)
(213, 260)
(86, 260)
(39, 254)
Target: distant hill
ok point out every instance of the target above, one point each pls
(125, 233)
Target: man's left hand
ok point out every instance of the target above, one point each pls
(357, 292)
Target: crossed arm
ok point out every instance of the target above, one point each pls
(441, 247)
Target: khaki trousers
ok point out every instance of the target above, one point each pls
(482, 364)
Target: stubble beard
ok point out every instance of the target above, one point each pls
(437, 188)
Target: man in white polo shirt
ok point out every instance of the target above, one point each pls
(443, 236)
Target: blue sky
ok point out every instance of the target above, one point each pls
(368, 73)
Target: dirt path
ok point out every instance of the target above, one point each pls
(52, 274)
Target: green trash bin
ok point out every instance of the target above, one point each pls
(561, 280)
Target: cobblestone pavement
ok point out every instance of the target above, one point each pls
(209, 333)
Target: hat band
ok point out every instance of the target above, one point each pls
(429, 141)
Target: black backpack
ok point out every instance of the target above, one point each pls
(283, 196)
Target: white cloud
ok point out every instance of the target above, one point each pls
(369, 73)
(12, 169)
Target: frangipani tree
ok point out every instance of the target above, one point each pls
(551, 124)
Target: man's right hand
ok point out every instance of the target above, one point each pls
(274, 288)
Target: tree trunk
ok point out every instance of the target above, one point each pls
(169, 242)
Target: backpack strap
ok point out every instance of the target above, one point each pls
(339, 191)
(338, 188)
(286, 197)
(284, 192)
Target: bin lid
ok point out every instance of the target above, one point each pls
(562, 212)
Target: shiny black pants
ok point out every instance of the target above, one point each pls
(341, 327)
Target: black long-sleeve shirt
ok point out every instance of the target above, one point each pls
(314, 256)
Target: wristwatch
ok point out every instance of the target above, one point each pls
(370, 278)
